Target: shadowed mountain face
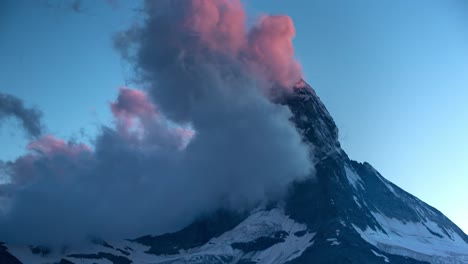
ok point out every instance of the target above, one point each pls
(359, 216)
(349, 213)
(6, 257)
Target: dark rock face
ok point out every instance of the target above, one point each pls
(333, 203)
(312, 118)
(260, 243)
(194, 235)
(6, 257)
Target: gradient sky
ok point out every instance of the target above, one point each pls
(394, 75)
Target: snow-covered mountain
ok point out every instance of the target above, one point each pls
(348, 214)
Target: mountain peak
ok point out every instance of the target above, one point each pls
(313, 120)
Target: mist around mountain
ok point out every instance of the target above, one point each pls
(223, 155)
(348, 213)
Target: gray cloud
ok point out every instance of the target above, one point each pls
(30, 118)
(139, 179)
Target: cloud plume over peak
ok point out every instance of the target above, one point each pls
(271, 46)
(204, 133)
(188, 38)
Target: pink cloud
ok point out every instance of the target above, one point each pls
(50, 145)
(219, 24)
(138, 121)
(270, 45)
(42, 155)
(132, 106)
(132, 102)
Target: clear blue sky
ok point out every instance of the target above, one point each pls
(394, 74)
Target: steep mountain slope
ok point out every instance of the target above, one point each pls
(348, 214)
(359, 215)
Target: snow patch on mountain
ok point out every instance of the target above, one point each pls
(353, 178)
(333, 241)
(357, 201)
(260, 224)
(424, 241)
(380, 255)
(266, 236)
